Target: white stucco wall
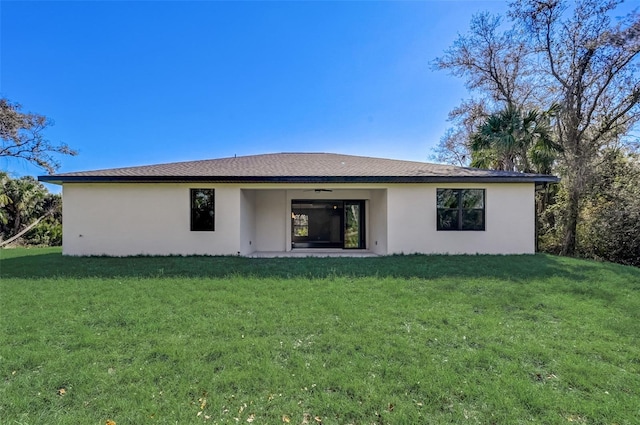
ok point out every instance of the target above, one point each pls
(154, 219)
(247, 221)
(509, 221)
(271, 220)
(377, 225)
(149, 219)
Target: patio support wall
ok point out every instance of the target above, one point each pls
(247, 221)
(377, 225)
(271, 220)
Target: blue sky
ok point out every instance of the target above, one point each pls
(134, 83)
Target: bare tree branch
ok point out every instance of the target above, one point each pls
(21, 136)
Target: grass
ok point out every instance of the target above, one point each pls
(393, 340)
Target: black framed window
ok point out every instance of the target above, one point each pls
(203, 210)
(461, 209)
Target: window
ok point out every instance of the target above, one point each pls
(300, 224)
(202, 210)
(460, 209)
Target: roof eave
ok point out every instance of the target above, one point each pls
(60, 179)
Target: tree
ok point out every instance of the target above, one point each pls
(515, 140)
(494, 66)
(21, 136)
(4, 198)
(27, 196)
(26, 204)
(453, 147)
(591, 71)
(610, 229)
(566, 53)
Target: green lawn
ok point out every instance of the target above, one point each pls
(393, 340)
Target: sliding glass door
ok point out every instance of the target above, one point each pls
(327, 224)
(354, 224)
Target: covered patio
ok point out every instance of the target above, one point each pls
(315, 252)
(333, 221)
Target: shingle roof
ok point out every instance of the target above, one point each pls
(298, 168)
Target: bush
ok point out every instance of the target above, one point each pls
(609, 226)
(612, 232)
(48, 232)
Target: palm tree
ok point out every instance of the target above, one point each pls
(515, 140)
(24, 204)
(25, 198)
(4, 197)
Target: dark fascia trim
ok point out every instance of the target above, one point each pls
(301, 179)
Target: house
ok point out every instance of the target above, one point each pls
(279, 203)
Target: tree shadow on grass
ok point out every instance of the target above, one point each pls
(517, 268)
